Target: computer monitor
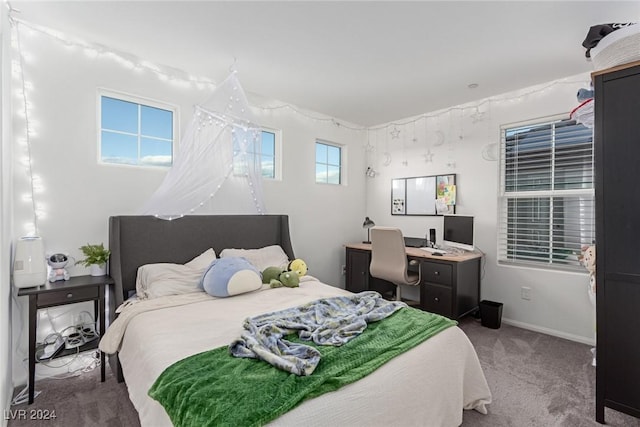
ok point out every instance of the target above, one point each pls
(458, 232)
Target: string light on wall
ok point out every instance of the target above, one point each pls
(451, 164)
(386, 154)
(369, 148)
(477, 116)
(310, 116)
(181, 78)
(428, 156)
(405, 162)
(395, 133)
(164, 73)
(232, 108)
(25, 112)
(489, 151)
(128, 61)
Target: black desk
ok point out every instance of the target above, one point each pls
(76, 289)
(449, 284)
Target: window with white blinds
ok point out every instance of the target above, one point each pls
(547, 196)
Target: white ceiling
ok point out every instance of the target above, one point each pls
(361, 61)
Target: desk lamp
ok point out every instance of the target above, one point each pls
(368, 224)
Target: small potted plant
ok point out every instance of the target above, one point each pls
(96, 257)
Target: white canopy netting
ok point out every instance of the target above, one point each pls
(222, 145)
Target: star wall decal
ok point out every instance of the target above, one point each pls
(478, 116)
(428, 156)
(395, 133)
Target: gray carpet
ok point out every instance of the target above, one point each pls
(536, 380)
(80, 401)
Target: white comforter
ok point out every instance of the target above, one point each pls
(429, 385)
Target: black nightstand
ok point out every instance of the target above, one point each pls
(76, 289)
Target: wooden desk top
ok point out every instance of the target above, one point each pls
(420, 253)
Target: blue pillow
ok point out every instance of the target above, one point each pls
(226, 277)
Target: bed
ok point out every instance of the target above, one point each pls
(428, 385)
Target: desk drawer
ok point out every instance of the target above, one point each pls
(437, 299)
(67, 296)
(434, 272)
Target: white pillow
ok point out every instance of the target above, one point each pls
(203, 260)
(269, 256)
(157, 280)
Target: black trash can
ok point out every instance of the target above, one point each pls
(490, 314)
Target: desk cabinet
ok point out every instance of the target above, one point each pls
(358, 277)
(448, 287)
(358, 270)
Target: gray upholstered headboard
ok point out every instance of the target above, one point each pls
(139, 240)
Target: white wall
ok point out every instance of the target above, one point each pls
(323, 217)
(559, 304)
(5, 216)
(78, 195)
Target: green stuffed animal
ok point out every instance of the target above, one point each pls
(271, 273)
(277, 277)
(287, 279)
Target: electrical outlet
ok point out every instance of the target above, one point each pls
(344, 270)
(525, 293)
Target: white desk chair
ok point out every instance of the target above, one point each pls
(389, 258)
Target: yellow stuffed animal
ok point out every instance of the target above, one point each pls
(299, 266)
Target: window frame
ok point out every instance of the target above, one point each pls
(238, 168)
(554, 259)
(277, 153)
(139, 100)
(343, 154)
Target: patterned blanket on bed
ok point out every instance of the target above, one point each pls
(328, 321)
(214, 388)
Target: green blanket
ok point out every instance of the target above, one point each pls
(214, 388)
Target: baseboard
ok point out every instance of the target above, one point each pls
(552, 332)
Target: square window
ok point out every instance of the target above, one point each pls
(132, 132)
(328, 163)
(264, 150)
(547, 196)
